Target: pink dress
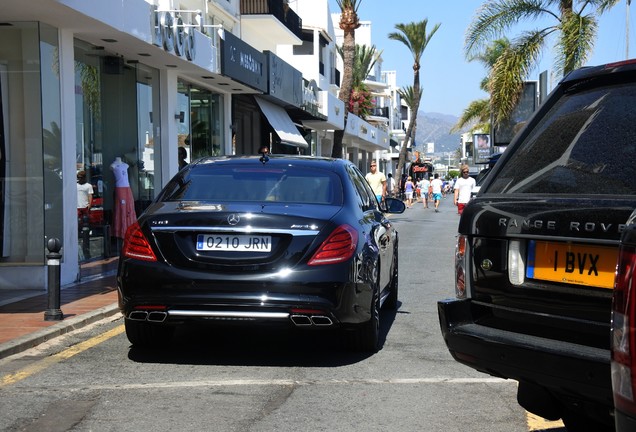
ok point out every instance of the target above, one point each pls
(124, 203)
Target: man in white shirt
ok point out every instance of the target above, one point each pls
(463, 188)
(377, 181)
(436, 185)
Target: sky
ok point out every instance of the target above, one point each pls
(449, 82)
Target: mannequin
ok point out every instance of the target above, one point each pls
(124, 202)
(120, 171)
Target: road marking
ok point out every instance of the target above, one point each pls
(289, 382)
(61, 356)
(536, 423)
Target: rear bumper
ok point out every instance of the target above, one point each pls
(566, 369)
(172, 296)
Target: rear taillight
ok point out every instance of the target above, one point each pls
(460, 266)
(337, 248)
(136, 245)
(623, 332)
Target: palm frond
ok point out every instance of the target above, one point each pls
(410, 97)
(510, 70)
(478, 111)
(577, 36)
(414, 36)
(495, 17)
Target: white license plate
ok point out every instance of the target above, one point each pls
(234, 243)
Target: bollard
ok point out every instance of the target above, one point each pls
(53, 312)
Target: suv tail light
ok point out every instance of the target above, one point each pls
(136, 245)
(337, 248)
(461, 267)
(623, 332)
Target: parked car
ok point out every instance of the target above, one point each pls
(537, 250)
(298, 241)
(624, 332)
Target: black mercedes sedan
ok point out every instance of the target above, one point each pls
(294, 240)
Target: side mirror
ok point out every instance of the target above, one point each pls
(392, 205)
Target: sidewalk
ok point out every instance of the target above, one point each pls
(22, 324)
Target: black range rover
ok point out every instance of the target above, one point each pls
(537, 251)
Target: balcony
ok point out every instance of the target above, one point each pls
(267, 23)
(380, 112)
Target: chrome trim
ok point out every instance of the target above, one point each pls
(228, 314)
(241, 230)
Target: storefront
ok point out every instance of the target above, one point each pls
(116, 106)
(71, 109)
(31, 173)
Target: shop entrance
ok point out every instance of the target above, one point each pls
(117, 149)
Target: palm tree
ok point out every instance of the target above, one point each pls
(349, 22)
(414, 36)
(574, 30)
(407, 94)
(479, 111)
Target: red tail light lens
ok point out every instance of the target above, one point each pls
(136, 245)
(624, 333)
(460, 266)
(337, 248)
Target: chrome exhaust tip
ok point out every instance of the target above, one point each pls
(138, 315)
(157, 316)
(300, 320)
(321, 320)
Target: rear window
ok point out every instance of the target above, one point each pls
(585, 144)
(288, 185)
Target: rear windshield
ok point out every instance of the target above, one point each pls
(586, 144)
(288, 185)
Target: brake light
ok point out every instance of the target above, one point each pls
(337, 248)
(623, 332)
(136, 245)
(460, 266)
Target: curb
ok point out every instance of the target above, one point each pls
(31, 340)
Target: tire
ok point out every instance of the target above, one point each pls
(365, 337)
(391, 302)
(146, 335)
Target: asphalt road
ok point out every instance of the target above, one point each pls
(242, 380)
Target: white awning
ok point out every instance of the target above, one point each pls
(282, 123)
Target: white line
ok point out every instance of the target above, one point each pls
(285, 382)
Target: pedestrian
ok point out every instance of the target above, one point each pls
(183, 155)
(377, 181)
(463, 188)
(84, 199)
(402, 183)
(390, 185)
(409, 187)
(425, 186)
(436, 185)
(418, 190)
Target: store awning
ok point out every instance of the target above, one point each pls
(282, 123)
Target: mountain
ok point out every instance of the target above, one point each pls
(435, 128)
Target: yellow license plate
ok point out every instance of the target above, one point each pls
(572, 263)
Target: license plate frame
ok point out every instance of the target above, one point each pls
(572, 263)
(233, 243)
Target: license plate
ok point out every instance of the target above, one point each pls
(234, 243)
(572, 263)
